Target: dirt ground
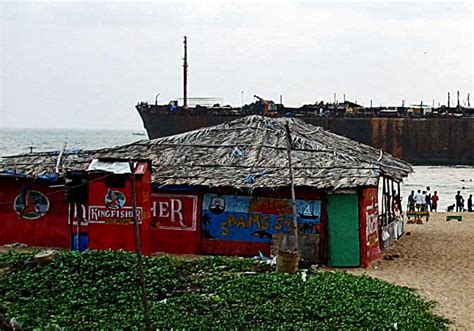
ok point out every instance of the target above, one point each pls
(437, 260)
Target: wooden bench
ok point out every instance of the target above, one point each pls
(453, 217)
(415, 216)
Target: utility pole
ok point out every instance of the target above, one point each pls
(449, 100)
(457, 94)
(242, 98)
(185, 74)
(281, 99)
(468, 102)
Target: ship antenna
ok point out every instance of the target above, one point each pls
(185, 74)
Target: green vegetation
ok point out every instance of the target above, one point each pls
(98, 289)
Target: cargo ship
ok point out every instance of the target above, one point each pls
(419, 134)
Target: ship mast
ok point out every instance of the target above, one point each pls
(185, 75)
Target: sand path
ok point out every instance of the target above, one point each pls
(437, 260)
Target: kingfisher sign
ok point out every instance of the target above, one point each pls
(114, 211)
(124, 215)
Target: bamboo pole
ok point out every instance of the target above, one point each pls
(79, 219)
(288, 254)
(71, 224)
(138, 250)
(294, 228)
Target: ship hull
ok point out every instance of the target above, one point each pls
(420, 141)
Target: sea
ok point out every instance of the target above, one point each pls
(445, 180)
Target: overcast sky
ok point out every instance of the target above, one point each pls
(86, 64)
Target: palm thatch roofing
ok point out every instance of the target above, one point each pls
(250, 152)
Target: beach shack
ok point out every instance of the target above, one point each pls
(225, 190)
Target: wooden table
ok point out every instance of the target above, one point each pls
(416, 216)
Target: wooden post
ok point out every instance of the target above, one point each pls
(294, 227)
(78, 218)
(138, 250)
(71, 223)
(399, 193)
(383, 202)
(288, 255)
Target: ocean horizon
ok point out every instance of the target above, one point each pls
(19, 140)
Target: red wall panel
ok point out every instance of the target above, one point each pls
(111, 223)
(369, 227)
(175, 222)
(51, 229)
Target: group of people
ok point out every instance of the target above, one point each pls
(460, 203)
(423, 200)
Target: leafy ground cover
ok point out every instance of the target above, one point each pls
(98, 289)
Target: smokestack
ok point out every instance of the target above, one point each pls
(185, 74)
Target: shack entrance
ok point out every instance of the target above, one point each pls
(343, 230)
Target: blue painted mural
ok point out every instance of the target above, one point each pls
(255, 219)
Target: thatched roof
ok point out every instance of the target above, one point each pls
(249, 152)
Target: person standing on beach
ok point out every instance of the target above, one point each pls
(469, 204)
(420, 200)
(434, 201)
(411, 201)
(428, 199)
(459, 202)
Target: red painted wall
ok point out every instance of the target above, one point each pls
(369, 227)
(116, 229)
(159, 232)
(175, 222)
(50, 230)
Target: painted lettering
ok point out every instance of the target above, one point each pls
(176, 208)
(163, 209)
(153, 209)
(254, 219)
(104, 214)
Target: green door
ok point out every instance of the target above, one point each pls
(343, 230)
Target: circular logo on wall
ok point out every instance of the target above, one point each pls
(114, 199)
(31, 204)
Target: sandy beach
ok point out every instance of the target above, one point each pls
(437, 260)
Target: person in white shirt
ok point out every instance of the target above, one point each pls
(420, 200)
